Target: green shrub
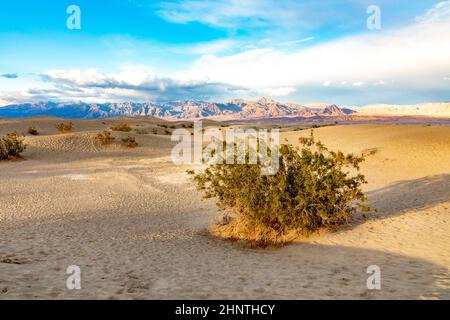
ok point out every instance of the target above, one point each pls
(32, 131)
(167, 132)
(124, 127)
(11, 145)
(130, 142)
(155, 131)
(64, 128)
(312, 189)
(105, 138)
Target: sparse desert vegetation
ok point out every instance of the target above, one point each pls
(118, 205)
(11, 146)
(124, 127)
(64, 127)
(311, 190)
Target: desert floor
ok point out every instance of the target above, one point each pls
(134, 223)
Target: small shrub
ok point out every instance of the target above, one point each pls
(141, 131)
(105, 138)
(172, 127)
(130, 142)
(32, 131)
(167, 132)
(154, 131)
(124, 127)
(64, 128)
(163, 126)
(312, 189)
(11, 145)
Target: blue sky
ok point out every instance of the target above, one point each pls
(299, 51)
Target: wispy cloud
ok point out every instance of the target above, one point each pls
(9, 75)
(439, 12)
(249, 14)
(296, 42)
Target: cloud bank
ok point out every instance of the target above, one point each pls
(391, 64)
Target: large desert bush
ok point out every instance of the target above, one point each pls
(314, 188)
(11, 146)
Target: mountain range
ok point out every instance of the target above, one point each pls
(237, 109)
(175, 110)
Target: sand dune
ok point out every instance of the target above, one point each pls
(438, 109)
(134, 223)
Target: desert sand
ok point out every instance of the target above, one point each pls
(135, 224)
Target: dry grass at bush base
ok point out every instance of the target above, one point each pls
(251, 236)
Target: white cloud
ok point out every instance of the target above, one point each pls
(327, 83)
(358, 84)
(415, 56)
(278, 92)
(131, 83)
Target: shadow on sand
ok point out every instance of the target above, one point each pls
(403, 196)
